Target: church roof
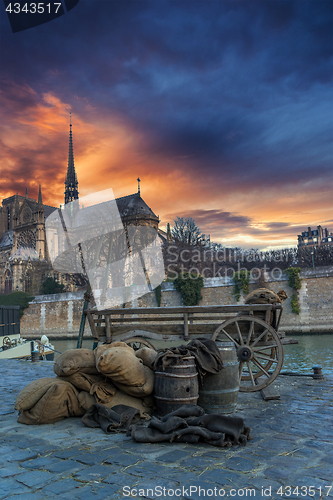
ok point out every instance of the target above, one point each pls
(133, 205)
(33, 205)
(24, 253)
(48, 210)
(7, 239)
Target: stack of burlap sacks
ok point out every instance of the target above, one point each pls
(112, 374)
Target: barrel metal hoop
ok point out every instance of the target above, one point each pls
(220, 391)
(173, 375)
(195, 398)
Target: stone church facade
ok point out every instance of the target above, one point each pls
(24, 257)
(23, 252)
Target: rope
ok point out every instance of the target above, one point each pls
(51, 349)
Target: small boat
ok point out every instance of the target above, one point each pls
(14, 347)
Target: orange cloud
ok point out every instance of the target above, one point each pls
(110, 152)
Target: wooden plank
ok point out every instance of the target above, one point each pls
(186, 326)
(152, 336)
(92, 325)
(172, 330)
(269, 393)
(108, 329)
(244, 308)
(287, 341)
(159, 319)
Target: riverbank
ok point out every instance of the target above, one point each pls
(291, 447)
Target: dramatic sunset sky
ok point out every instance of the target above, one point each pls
(223, 108)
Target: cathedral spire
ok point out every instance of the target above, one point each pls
(40, 202)
(71, 184)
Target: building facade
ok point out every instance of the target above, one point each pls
(24, 257)
(315, 237)
(23, 250)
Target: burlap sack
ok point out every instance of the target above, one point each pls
(86, 400)
(58, 402)
(147, 355)
(99, 385)
(75, 360)
(145, 405)
(99, 350)
(144, 390)
(32, 393)
(121, 365)
(262, 296)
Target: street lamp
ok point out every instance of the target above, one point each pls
(312, 258)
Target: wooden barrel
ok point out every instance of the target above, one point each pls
(219, 391)
(176, 386)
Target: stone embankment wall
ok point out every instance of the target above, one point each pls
(60, 315)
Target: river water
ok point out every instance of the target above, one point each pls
(311, 350)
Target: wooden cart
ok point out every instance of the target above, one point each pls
(252, 328)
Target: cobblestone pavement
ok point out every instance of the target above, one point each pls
(291, 446)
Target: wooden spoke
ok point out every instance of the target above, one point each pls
(239, 333)
(240, 369)
(260, 360)
(250, 333)
(258, 338)
(230, 337)
(251, 373)
(269, 358)
(261, 348)
(259, 365)
(266, 359)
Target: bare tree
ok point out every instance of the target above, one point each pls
(187, 232)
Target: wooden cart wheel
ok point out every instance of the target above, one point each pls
(137, 342)
(258, 347)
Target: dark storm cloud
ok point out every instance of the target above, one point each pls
(16, 99)
(241, 88)
(214, 218)
(278, 225)
(220, 224)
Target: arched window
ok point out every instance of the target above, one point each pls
(8, 219)
(8, 283)
(27, 283)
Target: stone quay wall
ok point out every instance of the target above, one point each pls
(59, 316)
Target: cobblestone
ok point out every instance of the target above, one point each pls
(291, 445)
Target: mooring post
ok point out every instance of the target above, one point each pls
(317, 374)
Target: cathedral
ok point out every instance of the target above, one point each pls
(24, 258)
